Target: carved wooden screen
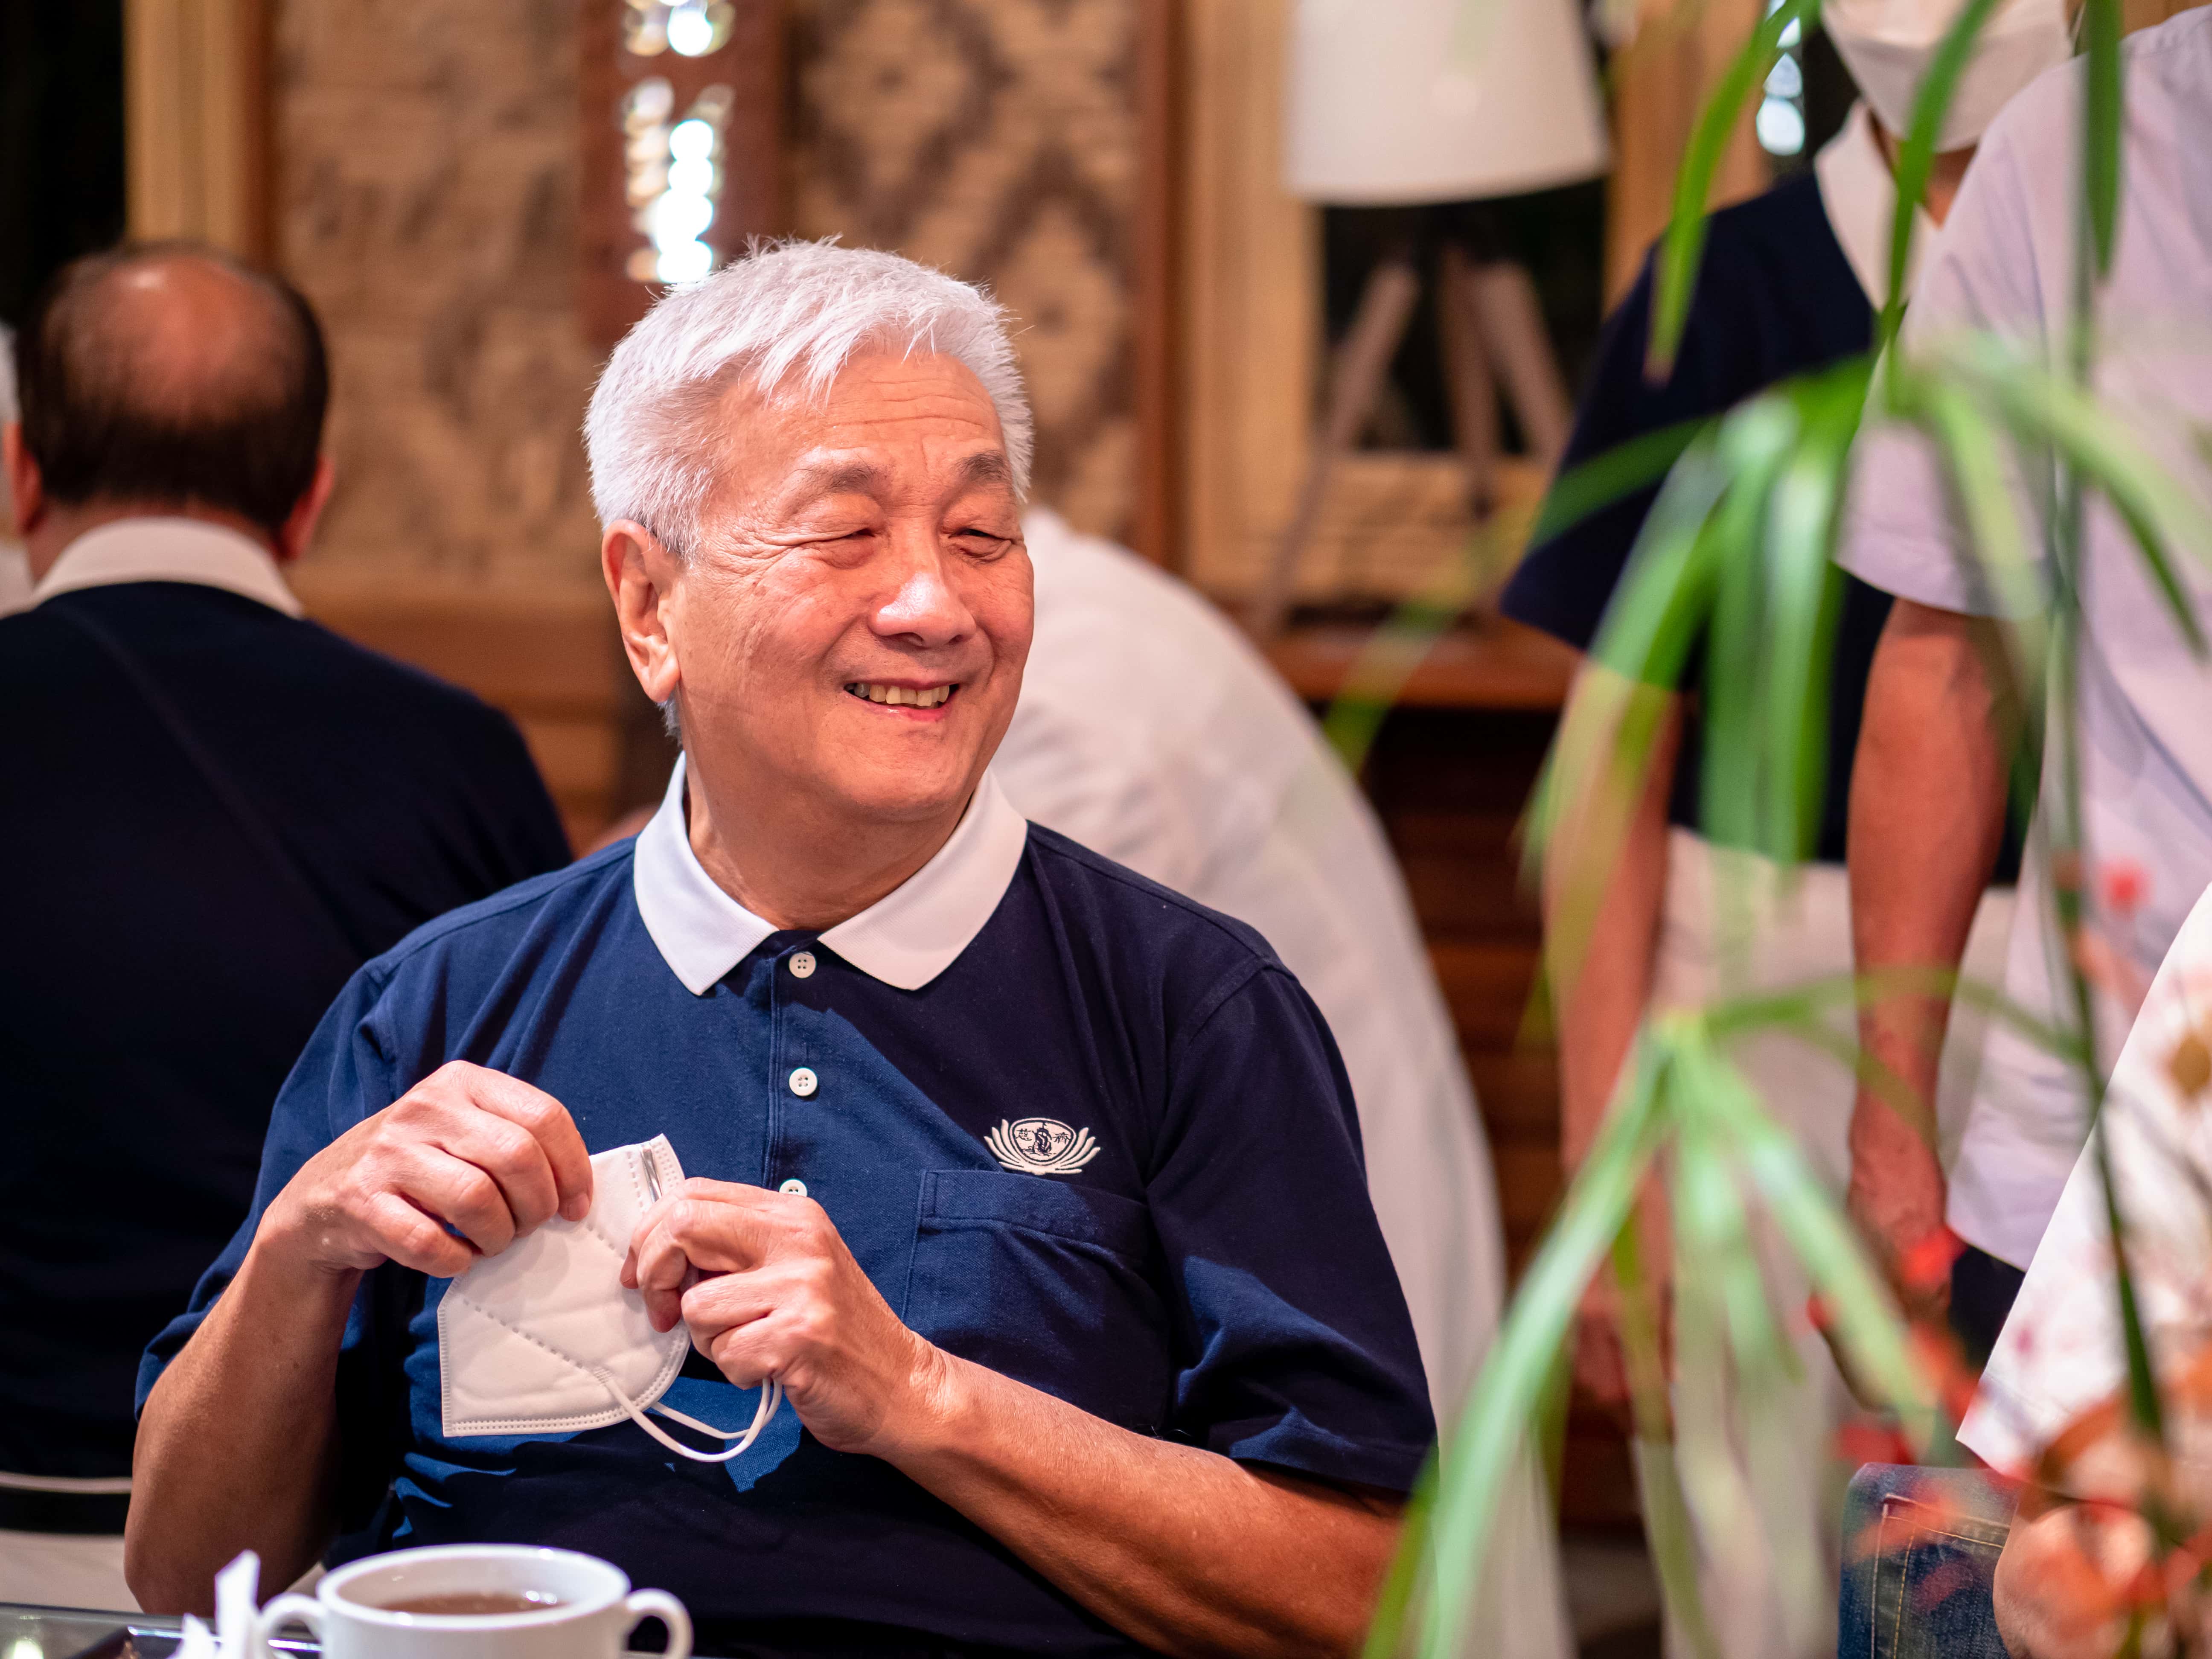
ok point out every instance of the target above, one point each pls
(1024, 143)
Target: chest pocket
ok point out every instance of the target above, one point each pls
(1046, 1282)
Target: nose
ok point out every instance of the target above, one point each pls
(925, 608)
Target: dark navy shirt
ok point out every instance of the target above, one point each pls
(204, 838)
(1776, 296)
(1074, 1127)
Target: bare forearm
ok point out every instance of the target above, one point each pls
(1927, 815)
(1188, 1552)
(234, 1450)
(1602, 952)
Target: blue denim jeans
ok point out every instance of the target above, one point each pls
(1920, 1554)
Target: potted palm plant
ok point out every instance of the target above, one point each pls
(1734, 574)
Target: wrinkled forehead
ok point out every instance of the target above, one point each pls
(887, 425)
(832, 471)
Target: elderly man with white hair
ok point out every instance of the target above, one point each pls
(1033, 1189)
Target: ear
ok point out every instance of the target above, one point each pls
(27, 489)
(642, 577)
(299, 527)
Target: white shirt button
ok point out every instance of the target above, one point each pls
(795, 1187)
(804, 1083)
(802, 965)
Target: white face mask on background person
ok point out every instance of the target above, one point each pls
(1888, 45)
(542, 1338)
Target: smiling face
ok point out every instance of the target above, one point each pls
(850, 632)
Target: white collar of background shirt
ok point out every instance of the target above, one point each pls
(1859, 194)
(158, 549)
(906, 938)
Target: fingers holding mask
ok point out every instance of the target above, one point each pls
(406, 1235)
(767, 1289)
(525, 1139)
(703, 1227)
(467, 1150)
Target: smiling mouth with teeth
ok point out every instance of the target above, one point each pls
(904, 696)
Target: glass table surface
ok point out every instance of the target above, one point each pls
(79, 1633)
(29, 1633)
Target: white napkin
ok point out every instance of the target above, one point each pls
(237, 1598)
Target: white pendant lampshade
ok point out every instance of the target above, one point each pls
(1400, 102)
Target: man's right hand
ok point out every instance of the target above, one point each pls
(467, 1149)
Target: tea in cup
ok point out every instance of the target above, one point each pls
(477, 1601)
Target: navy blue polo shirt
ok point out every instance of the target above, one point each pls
(1776, 296)
(1074, 1126)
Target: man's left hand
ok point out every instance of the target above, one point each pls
(768, 1289)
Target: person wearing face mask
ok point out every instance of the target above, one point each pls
(1004, 1210)
(1791, 282)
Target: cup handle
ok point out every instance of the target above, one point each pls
(659, 1604)
(282, 1612)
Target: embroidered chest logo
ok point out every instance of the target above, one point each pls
(1040, 1146)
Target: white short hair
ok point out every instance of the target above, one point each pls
(794, 312)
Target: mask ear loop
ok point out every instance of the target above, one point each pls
(771, 1397)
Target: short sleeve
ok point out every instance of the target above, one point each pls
(1297, 1351)
(1901, 532)
(341, 1077)
(2060, 1353)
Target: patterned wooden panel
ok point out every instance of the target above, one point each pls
(426, 192)
(1001, 140)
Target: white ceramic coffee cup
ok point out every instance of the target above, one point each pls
(350, 1613)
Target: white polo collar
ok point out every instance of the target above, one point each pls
(1859, 194)
(169, 550)
(906, 938)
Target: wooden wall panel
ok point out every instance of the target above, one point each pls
(196, 120)
(427, 191)
(1003, 140)
(427, 205)
(1451, 785)
(751, 63)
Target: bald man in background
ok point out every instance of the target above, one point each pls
(216, 812)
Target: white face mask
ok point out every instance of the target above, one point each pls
(542, 1338)
(1888, 44)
